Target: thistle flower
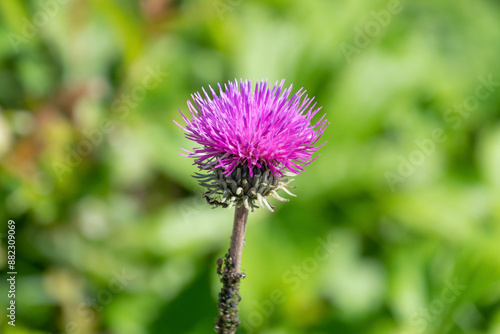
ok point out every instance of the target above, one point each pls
(251, 141)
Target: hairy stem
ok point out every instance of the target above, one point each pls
(230, 277)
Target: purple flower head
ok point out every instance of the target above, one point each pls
(264, 128)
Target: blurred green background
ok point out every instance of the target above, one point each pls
(395, 228)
